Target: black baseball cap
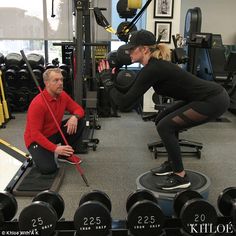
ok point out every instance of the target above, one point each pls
(140, 37)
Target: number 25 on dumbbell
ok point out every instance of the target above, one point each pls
(42, 214)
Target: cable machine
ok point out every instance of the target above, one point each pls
(83, 67)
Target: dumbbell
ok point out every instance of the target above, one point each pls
(2, 59)
(124, 11)
(92, 217)
(65, 70)
(35, 59)
(122, 31)
(8, 207)
(32, 94)
(22, 99)
(124, 79)
(39, 77)
(43, 213)
(24, 77)
(10, 97)
(113, 60)
(14, 59)
(50, 66)
(196, 214)
(123, 55)
(145, 216)
(11, 76)
(226, 203)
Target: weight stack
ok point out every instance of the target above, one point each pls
(199, 182)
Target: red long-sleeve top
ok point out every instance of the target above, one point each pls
(40, 124)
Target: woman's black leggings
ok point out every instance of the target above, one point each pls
(184, 115)
(44, 159)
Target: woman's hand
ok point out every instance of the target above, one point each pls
(103, 65)
(105, 74)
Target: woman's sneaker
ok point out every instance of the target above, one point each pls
(164, 169)
(174, 181)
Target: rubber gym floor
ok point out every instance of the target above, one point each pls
(122, 155)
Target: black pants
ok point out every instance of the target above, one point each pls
(45, 159)
(183, 115)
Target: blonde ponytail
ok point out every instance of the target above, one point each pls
(160, 51)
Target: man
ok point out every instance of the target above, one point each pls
(42, 137)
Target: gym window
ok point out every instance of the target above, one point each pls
(28, 26)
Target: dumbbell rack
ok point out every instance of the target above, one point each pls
(119, 227)
(144, 216)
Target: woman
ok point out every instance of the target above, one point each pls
(199, 100)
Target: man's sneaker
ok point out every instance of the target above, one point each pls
(163, 169)
(174, 181)
(74, 160)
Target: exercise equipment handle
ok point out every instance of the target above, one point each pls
(53, 15)
(159, 39)
(51, 112)
(174, 41)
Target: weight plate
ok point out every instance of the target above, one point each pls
(198, 217)
(92, 218)
(225, 201)
(8, 205)
(40, 217)
(99, 196)
(182, 197)
(54, 199)
(123, 55)
(139, 195)
(145, 218)
(124, 11)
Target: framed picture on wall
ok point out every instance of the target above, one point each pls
(163, 28)
(163, 8)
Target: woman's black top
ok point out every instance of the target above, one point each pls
(167, 79)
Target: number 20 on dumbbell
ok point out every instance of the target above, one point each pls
(198, 217)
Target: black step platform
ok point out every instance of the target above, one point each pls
(20, 177)
(199, 183)
(32, 182)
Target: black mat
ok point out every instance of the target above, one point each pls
(33, 182)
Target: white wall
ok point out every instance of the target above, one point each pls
(150, 21)
(218, 17)
(148, 105)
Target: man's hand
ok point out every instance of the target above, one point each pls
(105, 74)
(64, 150)
(71, 125)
